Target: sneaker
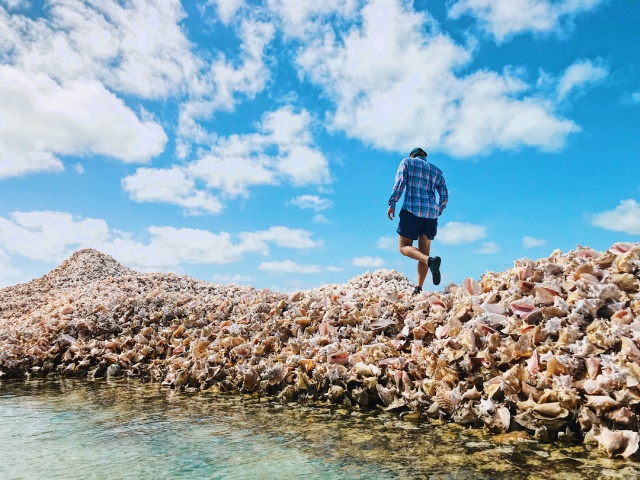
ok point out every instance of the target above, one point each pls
(434, 266)
(417, 290)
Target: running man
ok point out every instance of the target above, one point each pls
(420, 211)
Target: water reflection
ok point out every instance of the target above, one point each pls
(105, 429)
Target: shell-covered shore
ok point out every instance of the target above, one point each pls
(548, 348)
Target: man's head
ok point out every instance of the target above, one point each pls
(417, 152)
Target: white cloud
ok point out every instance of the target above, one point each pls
(368, 262)
(320, 219)
(41, 119)
(282, 151)
(580, 74)
(387, 243)
(312, 202)
(624, 218)
(455, 233)
(301, 18)
(226, 8)
(79, 168)
(48, 236)
(532, 242)
(137, 47)
(9, 275)
(635, 97)
(387, 77)
(288, 266)
(488, 248)
(170, 186)
(225, 80)
(232, 279)
(281, 236)
(14, 4)
(504, 18)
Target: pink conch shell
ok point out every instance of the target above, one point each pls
(552, 287)
(622, 443)
(622, 317)
(341, 358)
(442, 331)
(326, 329)
(436, 303)
(587, 253)
(523, 307)
(533, 363)
(621, 247)
(493, 308)
(629, 347)
(472, 286)
(601, 402)
(593, 366)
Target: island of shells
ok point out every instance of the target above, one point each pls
(548, 347)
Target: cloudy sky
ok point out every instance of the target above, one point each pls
(256, 142)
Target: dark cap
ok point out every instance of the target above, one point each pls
(418, 152)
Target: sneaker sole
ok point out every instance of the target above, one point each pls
(435, 270)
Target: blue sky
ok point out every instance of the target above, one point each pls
(256, 142)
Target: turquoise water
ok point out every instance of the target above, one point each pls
(73, 429)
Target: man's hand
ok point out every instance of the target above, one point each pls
(391, 212)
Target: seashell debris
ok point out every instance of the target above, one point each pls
(549, 346)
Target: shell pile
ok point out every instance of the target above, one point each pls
(549, 347)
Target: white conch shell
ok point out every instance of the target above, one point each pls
(472, 286)
(618, 443)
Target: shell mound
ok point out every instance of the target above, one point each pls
(550, 347)
(83, 268)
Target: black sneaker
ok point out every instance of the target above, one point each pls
(434, 266)
(417, 290)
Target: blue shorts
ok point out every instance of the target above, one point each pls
(412, 226)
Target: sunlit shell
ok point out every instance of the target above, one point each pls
(472, 286)
(523, 307)
(622, 443)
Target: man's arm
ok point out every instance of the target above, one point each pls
(398, 187)
(443, 195)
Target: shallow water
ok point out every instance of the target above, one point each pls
(118, 429)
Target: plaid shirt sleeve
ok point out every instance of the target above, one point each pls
(443, 195)
(399, 184)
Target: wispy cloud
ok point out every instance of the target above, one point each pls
(579, 75)
(282, 151)
(312, 202)
(368, 262)
(532, 242)
(488, 248)
(289, 266)
(455, 233)
(226, 9)
(232, 279)
(387, 243)
(504, 18)
(624, 218)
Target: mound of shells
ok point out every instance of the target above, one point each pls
(549, 347)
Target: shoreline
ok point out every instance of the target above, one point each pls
(547, 347)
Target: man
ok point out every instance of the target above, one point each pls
(420, 211)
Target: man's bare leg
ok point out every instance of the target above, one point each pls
(406, 248)
(424, 245)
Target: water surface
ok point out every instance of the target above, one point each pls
(76, 429)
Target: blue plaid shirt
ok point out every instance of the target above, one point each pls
(421, 179)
